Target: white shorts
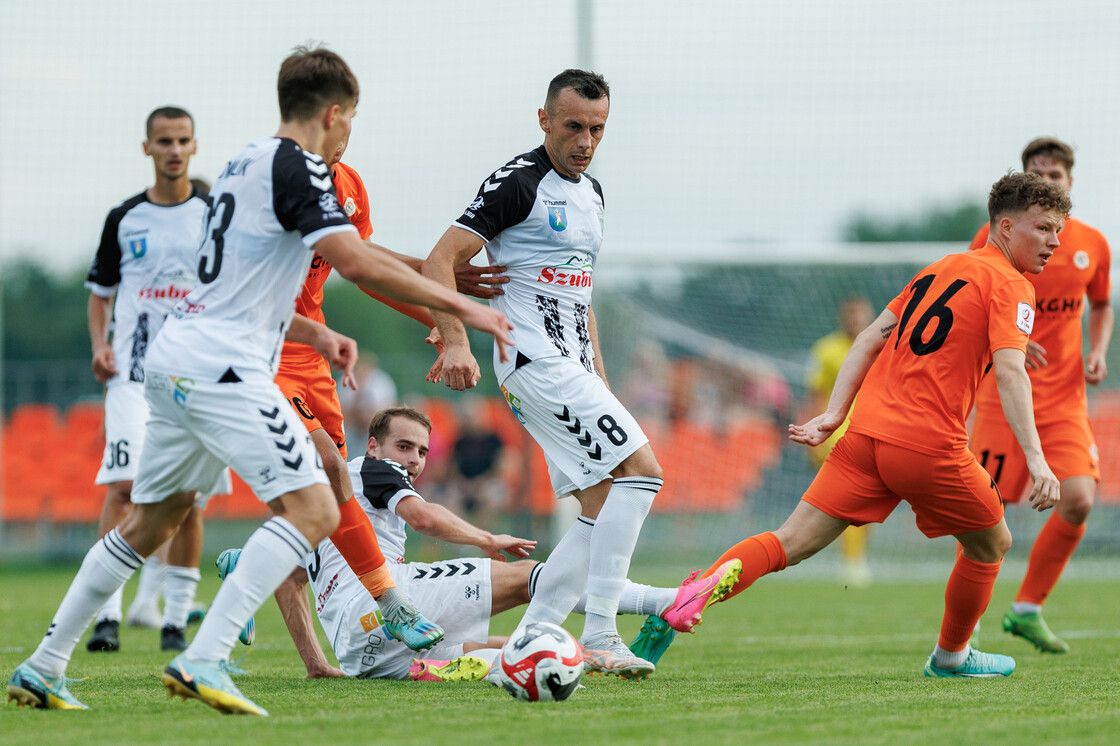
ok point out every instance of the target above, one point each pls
(455, 594)
(196, 429)
(584, 431)
(126, 414)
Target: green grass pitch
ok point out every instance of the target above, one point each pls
(789, 661)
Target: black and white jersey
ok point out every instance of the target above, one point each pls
(547, 229)
(268, 208)
(379, 486)
(146, 259)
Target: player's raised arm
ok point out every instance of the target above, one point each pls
(456, 246)
(1008, 366)
(394, 279)
(857, 362)
(438, 522)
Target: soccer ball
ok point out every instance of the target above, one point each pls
(542, 664)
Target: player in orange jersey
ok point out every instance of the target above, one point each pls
(917, 368)
(1058, 373)
(305, 379)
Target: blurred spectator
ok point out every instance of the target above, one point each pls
(474, 475)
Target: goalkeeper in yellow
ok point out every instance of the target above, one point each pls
(825, 357)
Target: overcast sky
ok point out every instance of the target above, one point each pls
(730, 119)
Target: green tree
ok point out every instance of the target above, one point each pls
(952, 223)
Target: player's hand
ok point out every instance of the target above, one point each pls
(326, 672)
(1036, 355)
(486, 319)
(341, 352)
(515, 547)
(436, 371)
(456, 368)
(816, 431)
(104, 364)
(1096, 368)
(480, 282)
(1046, 490)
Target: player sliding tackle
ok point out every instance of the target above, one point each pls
(916, 369)
(209, 384)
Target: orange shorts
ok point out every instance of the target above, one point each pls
(311, 390)
(863, 479)
(1068, 445)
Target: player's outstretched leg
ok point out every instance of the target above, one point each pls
(684, 614)
(610, 656)
(209, 683)
(226, 561)
(463, 668)
(28, 687)
(1033, 628)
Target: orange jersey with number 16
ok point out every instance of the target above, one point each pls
(951, 317)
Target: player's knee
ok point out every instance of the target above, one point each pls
(641, 463)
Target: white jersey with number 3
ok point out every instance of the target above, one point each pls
(269, 207)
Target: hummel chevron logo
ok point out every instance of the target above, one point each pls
(437, 571)
(597, 454)
(286, 447)
(293, 465)
(270, 415)
(316, 167)
(489, 186)
(323, 184)
(585, 441)
(564, 416)
(279, 430)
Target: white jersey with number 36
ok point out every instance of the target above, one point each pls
(269, 207)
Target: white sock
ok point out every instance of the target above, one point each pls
(946, 660)
(557, 584)
(612, 543)
(269, 556)
(147, 590)
(110, 611)
(1020, 607)
(638, 599)
(108, 565)
(179, 586)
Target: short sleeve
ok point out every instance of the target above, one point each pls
(105, 270)
(1100, 286)
(384, 483)
(303, 194)
(980, 240)
(1010, 315)
(503, 200)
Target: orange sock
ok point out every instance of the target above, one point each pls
(966, 597)
(1055, 544)
(357, 542)
(760, 554)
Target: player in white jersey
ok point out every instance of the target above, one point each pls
(460, 594)
(541, 217)
(209, 384)
(143, 267)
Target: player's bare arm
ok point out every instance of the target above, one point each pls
(394, 279)
(440, 523)
(1036, 355)
(1018, 408)
(99, 313)
(477, 282)
(459, 369)
(291, 597)
(339, 350)
(857, 362)
(1100, 336)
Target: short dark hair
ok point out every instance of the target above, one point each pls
(1050, 147)
(381, 422)
(1017, 192)
(311, 79)
(168, 112)
(587, 84)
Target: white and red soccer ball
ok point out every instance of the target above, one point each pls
(543, 663)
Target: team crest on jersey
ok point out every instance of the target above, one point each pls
(1024, 318)
(1081, 260)
(350, 207)
(514, 404)
(138, 246)
(557, 218)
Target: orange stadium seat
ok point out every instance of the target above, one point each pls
(1104, 414)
